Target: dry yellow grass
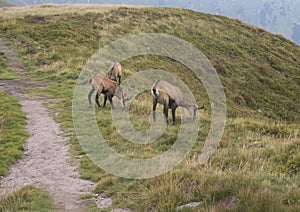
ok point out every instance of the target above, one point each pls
(52, 9)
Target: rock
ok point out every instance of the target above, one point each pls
(103, 202)
(189, 205)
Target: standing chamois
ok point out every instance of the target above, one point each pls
(115, 73)
(107, 87)
(171, 97)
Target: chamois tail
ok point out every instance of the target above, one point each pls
(154, 91)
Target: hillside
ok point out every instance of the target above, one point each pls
(258, 70)
(277, 16)
(258, 158)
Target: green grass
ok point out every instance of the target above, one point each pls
(28, 198)
(13, 135)
(6, 72)
(256, 166)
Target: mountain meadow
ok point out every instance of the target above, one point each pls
(256, 165)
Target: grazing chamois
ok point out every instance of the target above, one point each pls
(171, 97)
(107, 87)
(115, 73)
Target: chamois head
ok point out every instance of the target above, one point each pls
(120, 95)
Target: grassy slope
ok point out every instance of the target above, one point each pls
(4, 3)
(257, 164)
(258, 70)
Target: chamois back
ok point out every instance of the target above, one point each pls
(169, 89)
(106, 86)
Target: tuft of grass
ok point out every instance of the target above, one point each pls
(288, 158)
(29, 198)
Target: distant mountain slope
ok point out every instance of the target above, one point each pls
(277, 16)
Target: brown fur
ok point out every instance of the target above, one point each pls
(167, 102)
(107, 87)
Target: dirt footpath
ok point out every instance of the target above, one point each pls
(46, 161)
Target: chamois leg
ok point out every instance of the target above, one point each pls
(105, 99)
(173, 114)
(90, 94)
(119, 80)
(154, 108)
(111, 103)
(166, 112)
(173, 108)
(97, 100)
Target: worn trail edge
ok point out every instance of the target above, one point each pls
(46, 162)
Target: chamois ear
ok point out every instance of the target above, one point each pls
(200, 108)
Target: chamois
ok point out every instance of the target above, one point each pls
(107, 87)
(115, 73)
(171, 97)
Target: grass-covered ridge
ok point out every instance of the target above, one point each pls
(256, 167)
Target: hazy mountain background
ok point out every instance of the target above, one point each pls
(276, 16)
